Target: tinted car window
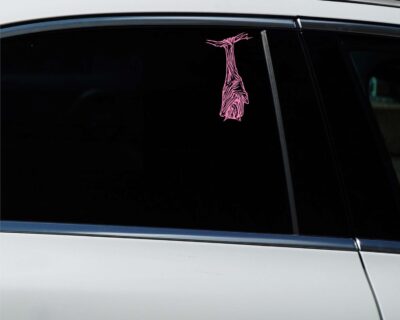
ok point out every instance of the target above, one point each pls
(355, 73)
(377, 64)
(320, 202)
(123, 126)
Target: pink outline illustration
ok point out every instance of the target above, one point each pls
(234, 95)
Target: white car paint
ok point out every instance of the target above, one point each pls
(384, 272)
(22, 10)
(77, 277)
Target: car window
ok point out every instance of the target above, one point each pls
(359, 82)
(378, 69)
(162, 127)
(319, 197)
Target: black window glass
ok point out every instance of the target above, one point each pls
(122, 126)
(353, 73)
(377, 63)
(319, 197)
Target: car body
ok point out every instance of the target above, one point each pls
(130, 191)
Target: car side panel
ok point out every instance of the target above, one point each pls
(384, 272)
(78, 277)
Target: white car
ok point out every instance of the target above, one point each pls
(200, 159)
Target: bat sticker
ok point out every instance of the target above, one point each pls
(234, 95)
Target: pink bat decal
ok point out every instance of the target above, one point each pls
(234, 95)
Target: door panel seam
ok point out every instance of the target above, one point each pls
(357, 245)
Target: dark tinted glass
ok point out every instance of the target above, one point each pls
(377, 63)
(122, 126)
(319, 198)
(369, 177)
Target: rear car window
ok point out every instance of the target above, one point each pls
(359, 80)
(125, 126)
(320, 202)
(378, 69)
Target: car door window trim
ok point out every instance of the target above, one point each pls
(347, 26)
(208, 236)
(153, 20)
(382, 246)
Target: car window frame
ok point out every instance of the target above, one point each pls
(268, 22)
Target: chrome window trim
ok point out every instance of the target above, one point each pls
(207, 236)
(140, 20)
(150, 233)
(350, 27)
(381, 246)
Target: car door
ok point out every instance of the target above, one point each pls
(157, 168)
